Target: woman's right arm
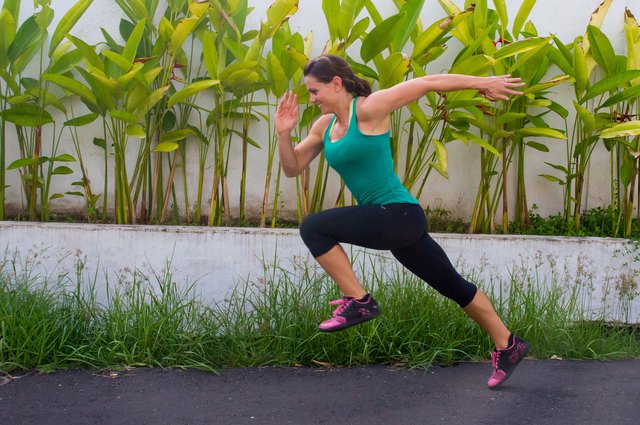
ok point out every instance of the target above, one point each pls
(294, 160)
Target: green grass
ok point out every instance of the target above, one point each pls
(48, 324)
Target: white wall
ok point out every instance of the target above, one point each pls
(566, 19)
(605, 271)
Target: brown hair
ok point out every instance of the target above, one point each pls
(324, 67)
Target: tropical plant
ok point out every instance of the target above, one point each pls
(506, 126)
(590, 57)
(621, 135)
(289, 53)
(25, 100)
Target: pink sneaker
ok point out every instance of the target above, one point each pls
(505, 361)
(350, 312)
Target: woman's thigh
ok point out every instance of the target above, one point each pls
(370, 226)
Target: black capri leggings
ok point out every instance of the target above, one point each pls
(400, 228)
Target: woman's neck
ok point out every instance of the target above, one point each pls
(343, 110)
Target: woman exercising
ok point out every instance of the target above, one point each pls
(354, 133)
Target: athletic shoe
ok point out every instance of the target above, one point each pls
(505, 361)
(350, 312)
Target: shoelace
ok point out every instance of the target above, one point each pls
(342, 303)
(495, 356)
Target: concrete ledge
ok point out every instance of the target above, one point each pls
(217, 259)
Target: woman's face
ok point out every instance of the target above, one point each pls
(322, 94)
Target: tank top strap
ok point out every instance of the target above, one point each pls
(353, 121)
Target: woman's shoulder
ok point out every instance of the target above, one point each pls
(371, 120)
(322, 123)
(363, 106)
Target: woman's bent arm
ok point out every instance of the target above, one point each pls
(294, 160)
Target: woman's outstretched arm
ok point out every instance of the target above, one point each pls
(383, 102)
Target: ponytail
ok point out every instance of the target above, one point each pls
(323, 68)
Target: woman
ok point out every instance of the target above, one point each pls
(354, 133)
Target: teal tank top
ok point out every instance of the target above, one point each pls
(365, 163)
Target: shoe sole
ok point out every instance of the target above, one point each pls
(350, 324)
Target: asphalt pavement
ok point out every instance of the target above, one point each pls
(539, 392)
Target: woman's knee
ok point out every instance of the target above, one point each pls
(308, 227)
(313, 236)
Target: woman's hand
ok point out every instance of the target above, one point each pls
(499, 87)
(287, 113)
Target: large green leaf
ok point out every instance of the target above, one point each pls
(588, 120)
(601, 49)
(346, 18)
(276, 75)
(190, 90)
(522, 16)
(480, 22)
(67, 22)
(181, 32)
(65, 62)
(542, 132)
(22, 162)
(632, 36)
(561, 57)
(151, 101)
(538, 146)
(166, 147)
(27, 115)
(547, 84)
(124, 116)
(7, 34)
(503, 16)
(441, 154)
(123, 63)
(331, 9)
(411, 10)
(277, 14)
(134, 73)
(210, 53)
(630, 93)
(449, 7)
(226, 75)
(13, 8)
(177, 135)
(299, 58)
(519, 47)
(437, 30)
(580, 70)
(467, 137)
(134, 9)
(508, 117)
(105, 81)
(88, 52)
(380, 37)
(357, 32)
(131, 48)
(631, 128)
(25, 45)
(474, 65)
(62, 170)
(73, 86)
(609, 83)
(135, 131)
(81, 120)
(393, 70)
(104, 99)
(418, 114)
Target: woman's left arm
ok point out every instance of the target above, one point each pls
(383, 102)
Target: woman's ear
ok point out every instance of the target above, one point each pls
(336, 82)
